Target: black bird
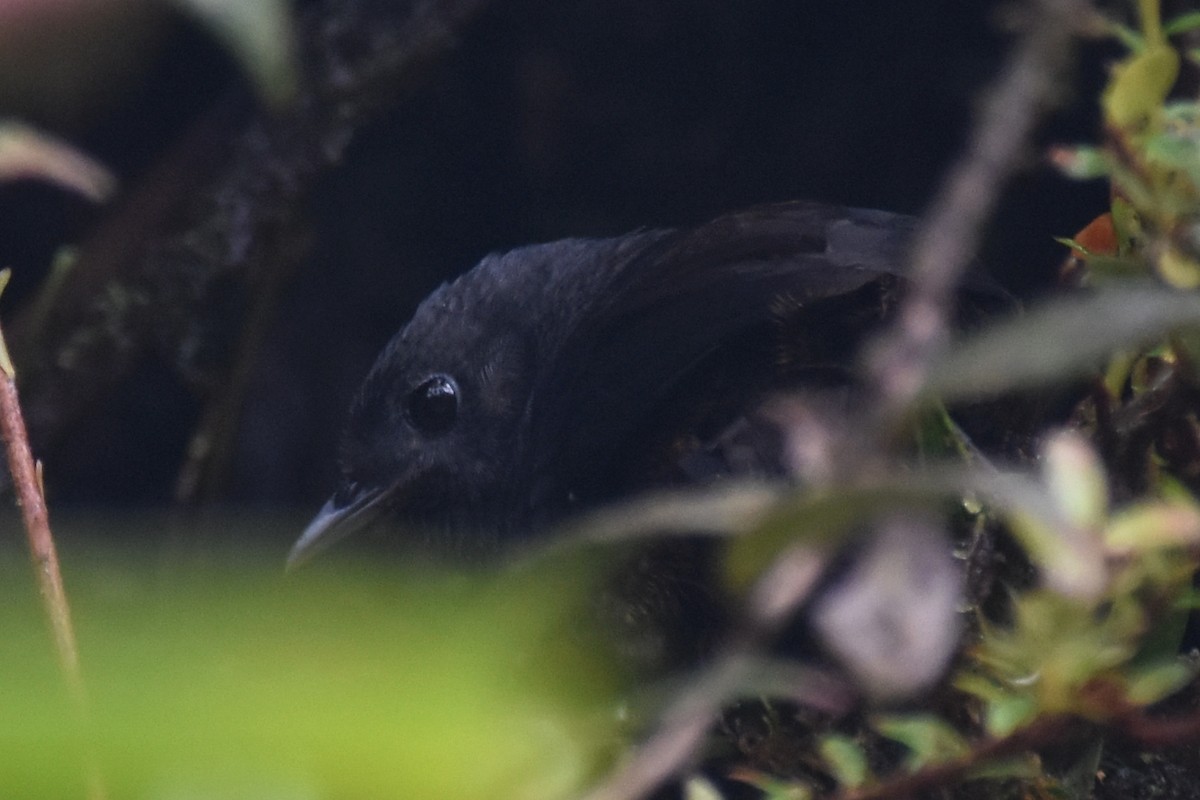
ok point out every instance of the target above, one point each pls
(561, 376)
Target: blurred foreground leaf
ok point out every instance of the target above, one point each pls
(1140, 84)
(347, 681)
(1061, 340)
(845, 759)
(928, 739)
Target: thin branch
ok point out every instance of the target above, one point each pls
(952, 227)
(1161, 731)
(27, 481)
(1045, 732)
(685, 723)
(682, 730)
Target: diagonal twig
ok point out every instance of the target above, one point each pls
(950, 233)
(27, 481)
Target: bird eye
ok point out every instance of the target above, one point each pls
(432, 407)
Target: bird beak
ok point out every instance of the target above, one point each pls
(334, 523)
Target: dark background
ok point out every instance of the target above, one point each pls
(550, 119)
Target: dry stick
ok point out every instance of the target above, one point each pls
(26, 476)
(950, 233)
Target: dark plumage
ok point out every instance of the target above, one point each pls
(561, 376)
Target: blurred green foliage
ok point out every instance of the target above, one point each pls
(350, 680)
(363, 679)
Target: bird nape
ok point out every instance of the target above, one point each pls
(557, 377)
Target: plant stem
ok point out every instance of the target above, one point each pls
(954, 223)
(1151, 17)
(27, 481)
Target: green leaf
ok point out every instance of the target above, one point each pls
(1069, 556)
(1174, 151)
(1132, 40)
(939, 437)
(1188, 601)
(813, 522)
(1178, 269)
(1053, 650)
(1139, 86)
(260, 36)
(930, 740)
(1008, 712)
(1060, 340)
(1157, 681)
(700, 789)
(1104, 266)
(1127, 222)
(1189, 21)
(1145, 527)
(781, 790)
(845, 759)
(1116, 268)
(985, 687)
(1070, 559)
(1082, 162)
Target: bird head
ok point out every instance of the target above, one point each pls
(560, 376)
(437, 436)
